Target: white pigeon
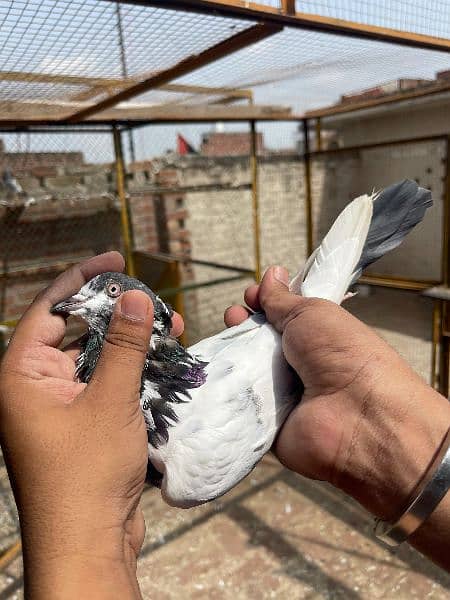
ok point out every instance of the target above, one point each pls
(213, 411)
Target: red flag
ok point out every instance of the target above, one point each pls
(183, 146)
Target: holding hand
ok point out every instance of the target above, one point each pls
(367, 422)
(77, 454)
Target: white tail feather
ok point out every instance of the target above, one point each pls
(329, 271)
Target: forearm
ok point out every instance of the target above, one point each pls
(396, 444)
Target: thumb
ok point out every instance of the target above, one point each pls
(279, 304)
(119, 369)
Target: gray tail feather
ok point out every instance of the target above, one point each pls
(396, 210)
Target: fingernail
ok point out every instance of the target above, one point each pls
(134, 305)
(281, 275)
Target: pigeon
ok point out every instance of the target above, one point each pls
(213, 410)
(10, 183)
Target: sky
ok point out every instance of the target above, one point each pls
(296, 68)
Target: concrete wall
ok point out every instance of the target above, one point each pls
(220, 226)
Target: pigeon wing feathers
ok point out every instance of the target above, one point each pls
(230, 421)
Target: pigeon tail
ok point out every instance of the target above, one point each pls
(366, 229)
(396, 211)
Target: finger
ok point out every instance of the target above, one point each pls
(279, 304)
(235, 315)
(118, 373)
(37, 324)
(251, 297)
(177, 325)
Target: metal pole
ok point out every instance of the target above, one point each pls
(255, 199)
(318, 134)
(445, 321)
(308, 192)
(121, 192)
(436, 338)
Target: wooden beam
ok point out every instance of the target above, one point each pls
(61, 79)
(288, 7)
(99, 85)
(28, 113)
(168, 87)
(196, 61)
(269, 14)
(340, 109)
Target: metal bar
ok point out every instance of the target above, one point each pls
(331, 111)
(318, 135)
(195, 261)
(192, 189)
(10, 554)
(196, 61)
(58, 78)
(85, 128)
(435, 343)
(255, 199)
(308, 189)
(194, 286)
(288, 7)
(139, 117)
(396, 283)
(121, 192)
(416, 140)
(243, 9)
(445, 321)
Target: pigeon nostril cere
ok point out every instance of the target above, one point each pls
(134, 305)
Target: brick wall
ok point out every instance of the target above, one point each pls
(68, 210)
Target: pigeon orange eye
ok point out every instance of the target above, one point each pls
(113, 290)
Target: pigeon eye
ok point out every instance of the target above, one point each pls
(113, 290)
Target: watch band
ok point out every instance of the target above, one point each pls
(434, 487)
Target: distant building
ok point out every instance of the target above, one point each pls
(230, 144)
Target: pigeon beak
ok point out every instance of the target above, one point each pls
(69, 305)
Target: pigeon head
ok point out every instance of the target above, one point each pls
(95, 301)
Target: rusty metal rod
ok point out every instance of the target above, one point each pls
(435, 342)
(397, 283)
(255, 199)
(121, 192)
(445, 321)
(308, 189)
(318, 135)
(10, 554)
(374, 145)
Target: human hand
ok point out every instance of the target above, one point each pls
(361, 424)
(77, 454)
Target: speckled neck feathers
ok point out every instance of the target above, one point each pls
(168, 375)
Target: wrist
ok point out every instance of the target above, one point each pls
(68, 577)
(393, 444)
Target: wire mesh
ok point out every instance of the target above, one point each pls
(418, 16)
(57, 206)
(60, 56)
(317, 68)
(66, 53)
